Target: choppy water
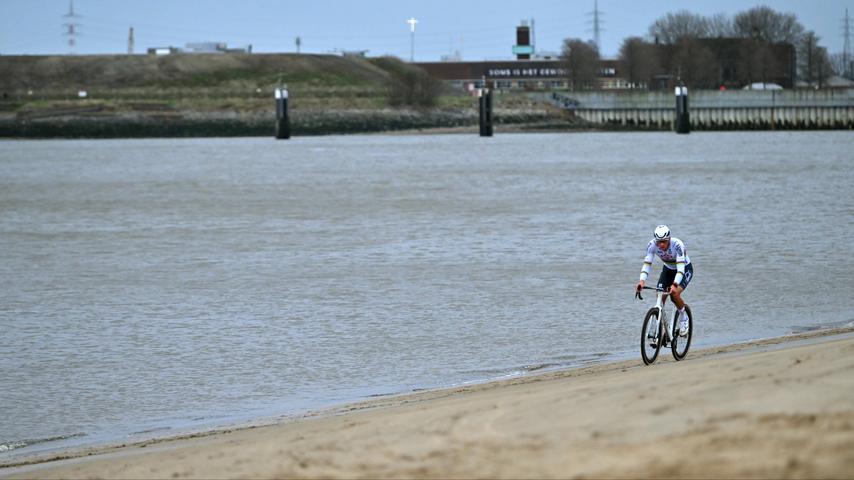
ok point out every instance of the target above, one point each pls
(152, 285)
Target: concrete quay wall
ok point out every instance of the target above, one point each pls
(714, 110)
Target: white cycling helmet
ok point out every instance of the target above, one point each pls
(662, 232)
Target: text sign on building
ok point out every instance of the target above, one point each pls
(523, 49)
(526, 72)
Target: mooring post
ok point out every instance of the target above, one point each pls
(683, 118)
(283, 124)
(481, 109)
(773, 112)
(489, 112)
(485, 104)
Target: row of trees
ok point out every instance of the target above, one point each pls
(707, 52)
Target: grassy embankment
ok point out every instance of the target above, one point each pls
(229, 95)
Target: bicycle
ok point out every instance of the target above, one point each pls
(664, 332)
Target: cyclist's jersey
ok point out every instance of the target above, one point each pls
(675, 257)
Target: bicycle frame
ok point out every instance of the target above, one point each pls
(662, 315)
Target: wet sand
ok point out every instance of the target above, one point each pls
(776, 408)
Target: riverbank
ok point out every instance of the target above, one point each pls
(98, 122)
(774, 408)
(136, 96)
(149, 96)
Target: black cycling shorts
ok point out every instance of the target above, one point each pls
(665, 280)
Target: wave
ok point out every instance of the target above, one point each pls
(158, 429)
(16, 444)
(822, 326)
(562, 361)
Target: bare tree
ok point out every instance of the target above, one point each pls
(695, 64)
(764, 27)
(825, 69)
(582, 62)
(764, 23)
(814, 66)
(760, 55)
(807, 62)
(638, 60)
(673, 27)
(682, 56)
(842, 65)
(758, 62)
(720, 26)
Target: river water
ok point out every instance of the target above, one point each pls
(155, 285)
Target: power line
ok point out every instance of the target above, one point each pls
(597, 21)
(71, 25)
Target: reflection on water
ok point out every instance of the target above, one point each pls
(148, 283)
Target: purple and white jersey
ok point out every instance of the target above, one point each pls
(675, 257)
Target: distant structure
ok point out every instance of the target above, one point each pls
(199, 47)
(299, 43)
(596, 20)
(454, 56)
(130, 41)
(71, 26)
(164, 50)
(523, 48)
(206, 47)
(533, 36)
(545, 71)
(545, 55)
(847, 62)
(412, 21)
(214, 47)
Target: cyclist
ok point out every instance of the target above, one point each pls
(676, 273)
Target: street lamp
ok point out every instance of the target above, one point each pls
(412, 21)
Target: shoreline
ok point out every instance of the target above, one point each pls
(399, 417)
(82, 123)
(133, 125)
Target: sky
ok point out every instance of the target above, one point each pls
(477, 29)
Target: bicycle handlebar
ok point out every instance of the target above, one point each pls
(662, 290)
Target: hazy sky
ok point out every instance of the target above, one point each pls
(477, 29)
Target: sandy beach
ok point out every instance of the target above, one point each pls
(780, 408)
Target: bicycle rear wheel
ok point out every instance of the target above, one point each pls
(680, 344)
(651, 347)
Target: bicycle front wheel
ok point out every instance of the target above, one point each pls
(680, 344)
(651, 336)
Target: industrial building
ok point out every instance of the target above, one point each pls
(199, 47)
(734, 57)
